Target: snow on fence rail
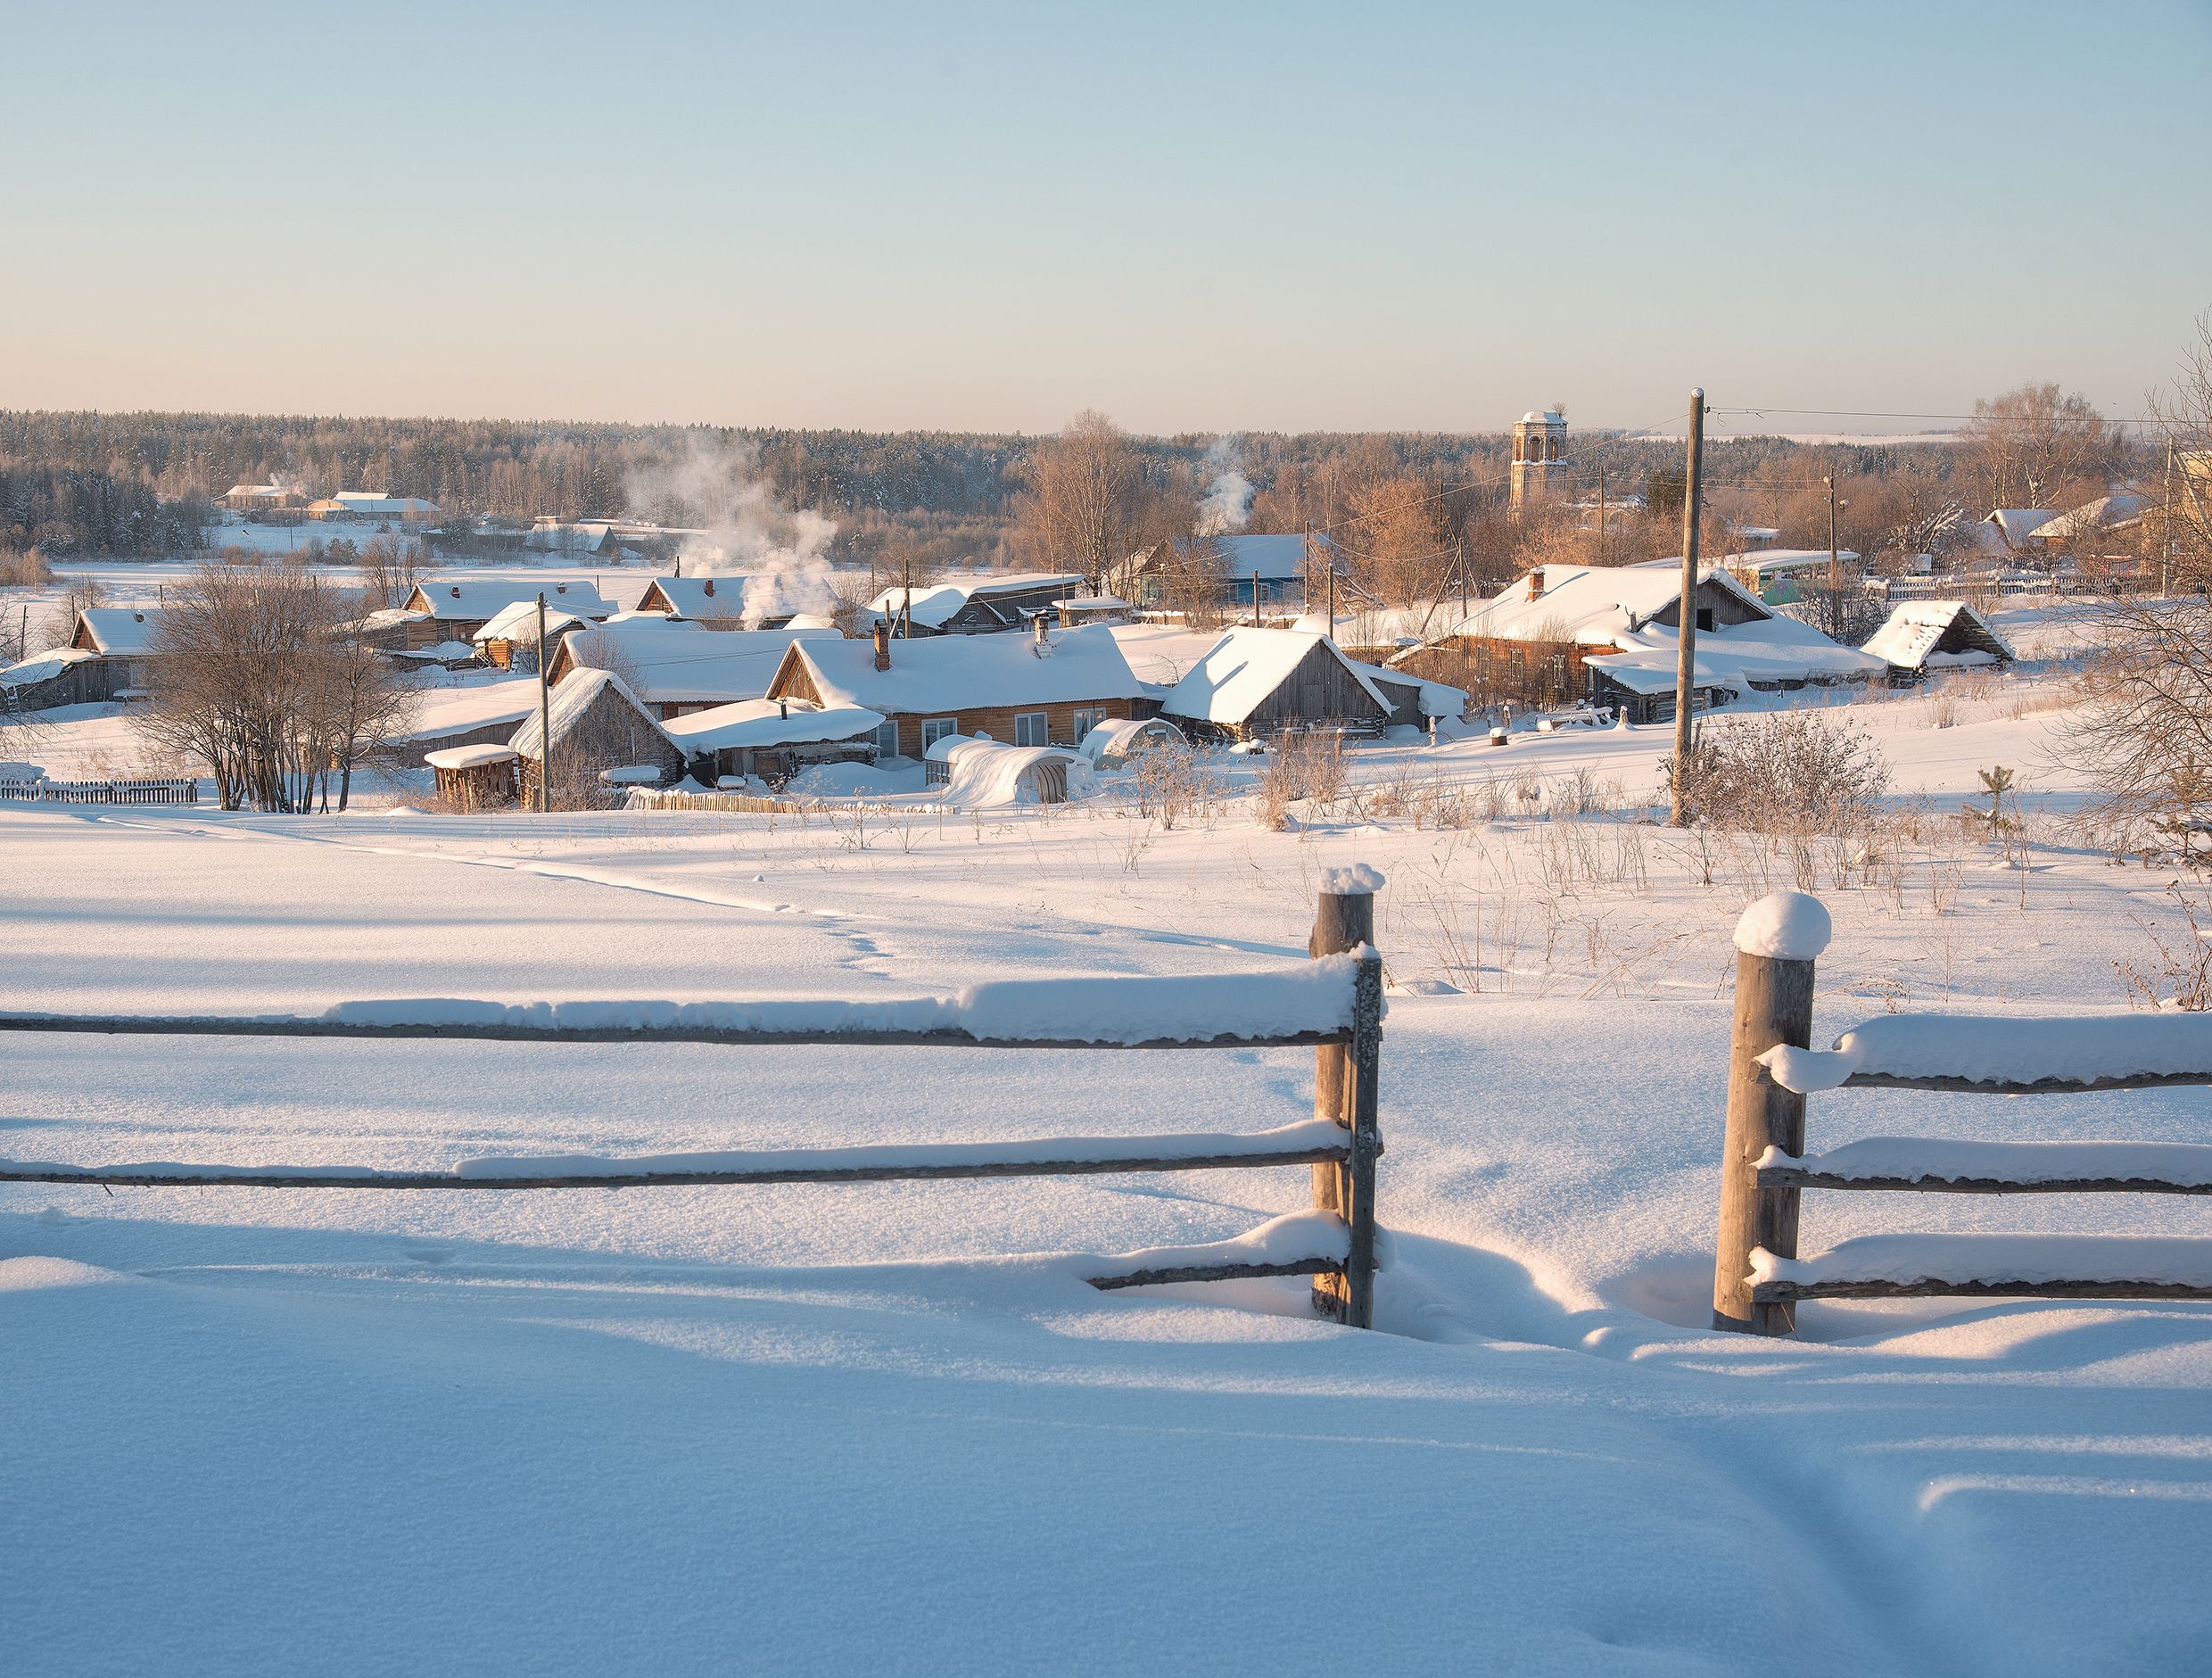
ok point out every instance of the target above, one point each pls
(1758, 1275)
(1334, 1003)
(45, 791)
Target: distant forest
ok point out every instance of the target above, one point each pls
(139, 485)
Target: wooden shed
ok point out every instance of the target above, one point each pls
(476, 777)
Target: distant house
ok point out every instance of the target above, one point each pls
(2092, 521)
(1925, 635)
(585, 538)
(2011, 529)
(1049, 688)
(710, 602)
(773, 739)
(1777, 576)
(262, 498)
(597, 724)
(373, 508)
(1565, 633)
(1253, 683)
(678, 667)
(439, 611)
(973, 605)
(1265, 570)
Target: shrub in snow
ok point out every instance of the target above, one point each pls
(1789, 775)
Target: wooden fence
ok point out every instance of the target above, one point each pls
(1758, 1275)
(1336, 1004)
(44, 791)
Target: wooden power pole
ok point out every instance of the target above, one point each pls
(1835, 570)
(1686, 664)
(545, 720)
(1601, 513)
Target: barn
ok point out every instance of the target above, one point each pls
(1253, 683)
(61, 675)
(475, 777)
(595, 724)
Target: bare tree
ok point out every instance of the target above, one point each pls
(2036, 446)
(262, 674)
(1081, 504)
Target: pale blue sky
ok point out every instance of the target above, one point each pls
(1192, 217)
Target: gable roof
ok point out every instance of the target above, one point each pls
(1277, 558)
(43, 667)
(1245, 666)
(480, 600)
(1912, 631)
(940, 602)
(676, 661)
(695, 597)
(120, 632)
(519, 622)
(2013, 525)
(939, 674)
(2101, 514)
(566, 704)
(1592, 606)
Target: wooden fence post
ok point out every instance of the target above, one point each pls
(1776, 943)
(1345, 1091)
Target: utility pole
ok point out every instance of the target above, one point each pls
(1686, 665)
(2165, 528)
(1601, 513)
(1460, 550)
(1835, 570)
(545, 721)
(1255, 600)
(906, 600)
(1332, 603)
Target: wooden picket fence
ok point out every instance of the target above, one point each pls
(1341, 1143)
(45, 791)
(1758, 1277)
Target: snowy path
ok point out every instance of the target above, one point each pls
(819, 1429)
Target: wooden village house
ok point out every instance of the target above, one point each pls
(676, 666)
(1048, 688)
(598, 726)
(1254, 682)
(971, 606)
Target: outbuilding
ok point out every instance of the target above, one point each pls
(773, 739)
(1253, 683)
(476, 777)
(597, 724)
(1921, 636)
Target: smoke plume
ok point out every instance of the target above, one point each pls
(1226, 506)
(782, 552)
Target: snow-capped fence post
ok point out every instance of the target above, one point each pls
(1778, 941)
(1345, 1091)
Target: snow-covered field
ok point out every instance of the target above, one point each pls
(889, 1428)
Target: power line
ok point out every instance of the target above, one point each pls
(1761, 412)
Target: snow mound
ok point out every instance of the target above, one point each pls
(1788, 926)
(30, 1275)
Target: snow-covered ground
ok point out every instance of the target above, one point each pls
(889, 1427)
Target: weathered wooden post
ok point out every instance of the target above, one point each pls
(1777, 942)
(1345, 1090)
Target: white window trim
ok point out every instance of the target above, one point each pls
(1042, 721)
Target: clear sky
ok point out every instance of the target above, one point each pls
(1194, 217)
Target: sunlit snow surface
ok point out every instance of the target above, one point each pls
(888, 1427)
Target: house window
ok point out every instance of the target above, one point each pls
(1559, 673)
(1086, 718)
(1031, 728)
(887, 740)
(936, 728)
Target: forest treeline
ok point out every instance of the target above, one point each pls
(135, 485)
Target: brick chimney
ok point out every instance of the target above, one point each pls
(1042, 630)
(710, 588)
(1536, 583)
(883, 645)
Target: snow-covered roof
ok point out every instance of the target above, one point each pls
(446, 652)
(1118, 737)
(1545, 418)
(469, 756)
(701, 597)
(368, 501)
(43, 667)
(1276, 559)
(1589, 605)
(483, 599)
(935, 605)
(757, 724)
(1244, 667)
(1770, 651)
(1160, 654)
(938, 674)
(2100, 514)
(1911, 631)
(2015, 524)
(676, 661)
(984, 774)
(571, 698)
(1437, 698)
(440, 712)
(812, 620)
(119, 631)
(519, 622)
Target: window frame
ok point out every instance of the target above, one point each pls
(1038, 723)
(935, 729)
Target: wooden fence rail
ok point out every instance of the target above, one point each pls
(44, 791)
(1758, 1275)
(1336, 1004)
